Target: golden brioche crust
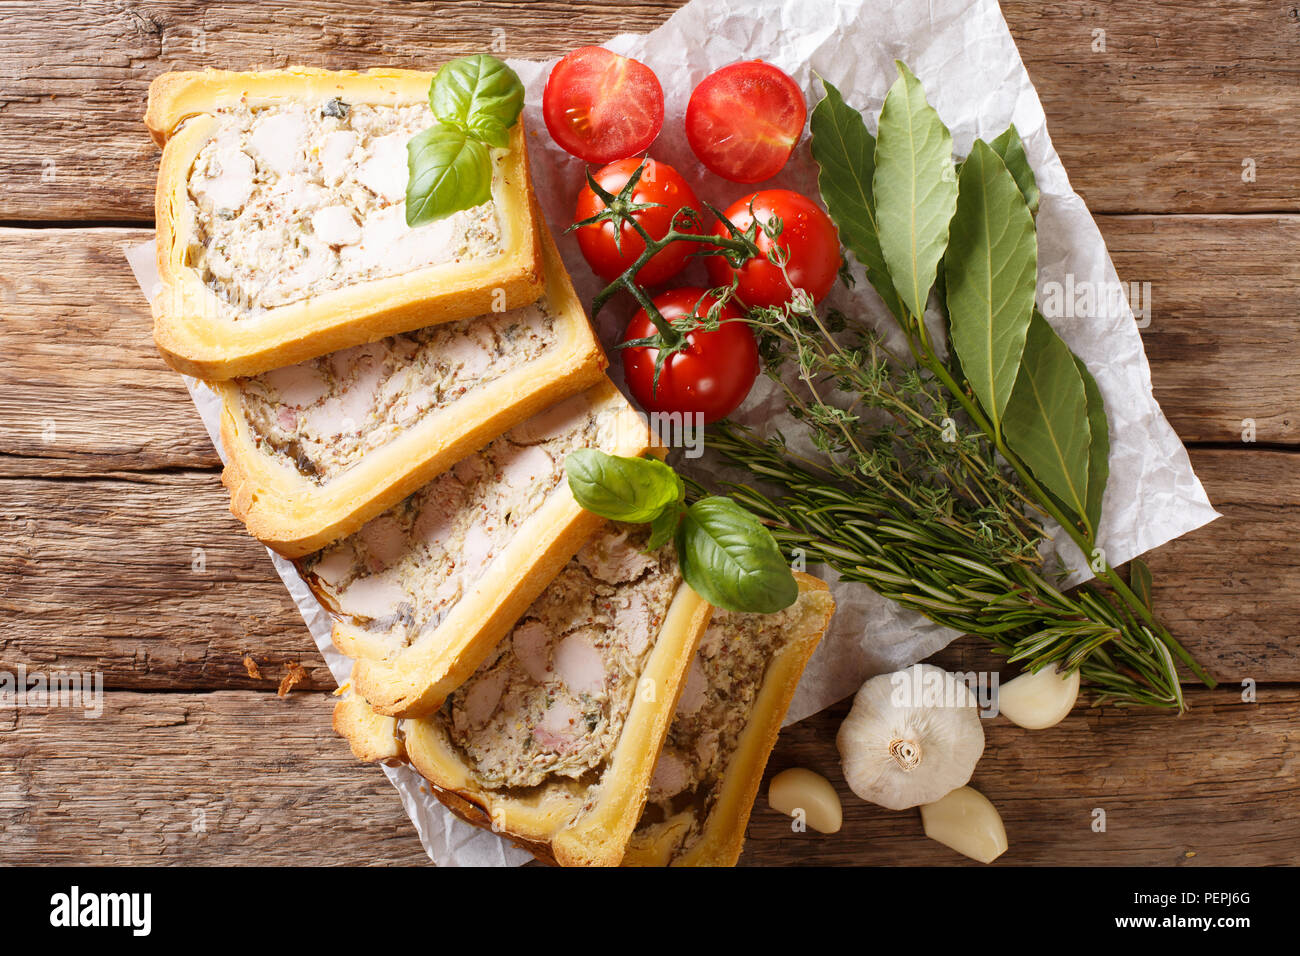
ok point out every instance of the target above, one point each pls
(561, 821)
(295, 516)
(722, 835)
(189, 329)
(415, 680)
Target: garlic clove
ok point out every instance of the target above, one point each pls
(801, 791)
(911, 737)
(966, 821)
(1039, 700)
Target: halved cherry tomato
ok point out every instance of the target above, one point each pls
(711, 375)
(600, 106)
(808, 237)
(659, 183)
(744, 121)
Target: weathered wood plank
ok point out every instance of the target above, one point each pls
(1223, 339)
(82, 390)
(1160, 120)
(151, 581)
(100, 574)
(228, 778)
(1168, 113)
(242, 778)
(76, 75)
(1213, 787)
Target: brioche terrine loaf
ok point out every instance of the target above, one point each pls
(422, 593)
(552, 741)
(281, 220)
(736, 694)
(316, 450)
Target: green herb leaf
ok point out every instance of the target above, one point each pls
(732, 560)
(915, 189)
(990, 273)
(664, 527)
(636, 490)
(449, 171)
(1012, 151)
(1046, 421)
(846, 155)
(1139, 579)
(480, 95)
(1098, 447)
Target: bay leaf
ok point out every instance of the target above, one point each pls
(915, 189)
(1046, 421)
(1139, 579)
(1009, 146)
(1098, 446)
(846, 158)
(990, 273)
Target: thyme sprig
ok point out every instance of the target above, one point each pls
(908, 495)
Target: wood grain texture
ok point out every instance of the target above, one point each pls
(99, 573)
(227, 778)
(1223, 335)
(1159, 121)
(83, 391)
(240, 777)
(82, 388)
(151, 581)
(1213, 787)
(1183, 93)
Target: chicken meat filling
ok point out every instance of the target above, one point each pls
(552, 701)
(326, 414)
(404, 571)
(292, 200)
(715, 706)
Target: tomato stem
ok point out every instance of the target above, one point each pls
(620, 211)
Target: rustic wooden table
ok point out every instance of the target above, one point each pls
(1177, 120)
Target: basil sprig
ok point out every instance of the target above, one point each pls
(726, 554)
(476, 100)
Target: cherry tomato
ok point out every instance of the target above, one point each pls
(711, 375)
(808, 237)
(600, 106)
(659, 183)
(744, 121)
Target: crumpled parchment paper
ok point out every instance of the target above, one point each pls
(965, 56)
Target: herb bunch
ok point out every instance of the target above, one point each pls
(934, 473)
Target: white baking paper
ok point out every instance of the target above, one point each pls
(964, 54)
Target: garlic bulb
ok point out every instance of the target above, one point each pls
(1039, 700)
(966, 821)
(912, 737)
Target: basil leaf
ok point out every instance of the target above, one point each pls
(1047, 418)
(846, 157)
(480, 95)
(449, 172)
(663, 527)
(990, 273)
(731, 560)
(915, 189)
(1098, 447)
(635, 490)
(1012, 151)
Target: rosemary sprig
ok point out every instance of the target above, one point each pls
(911, 497)
(927, 563)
